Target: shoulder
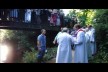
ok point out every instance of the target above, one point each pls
(81, 33)
(59, 32)
(39, 36)
(60, 35)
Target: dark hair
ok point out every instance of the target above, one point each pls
(77, 26)
(89, 26)
(84, 27)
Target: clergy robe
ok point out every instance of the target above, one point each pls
(57, 35)
(92, 38)
(64, 51)
(28, 15)
(88, 44)
(80, 55)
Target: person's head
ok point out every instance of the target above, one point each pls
(86, 29)
(89, 26)
(65, 29)
(43, 31)
(77, 26)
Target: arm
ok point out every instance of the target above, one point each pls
(55, 39)
(38, 42)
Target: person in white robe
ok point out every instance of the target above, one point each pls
(64, 51)
(88, 42)
(55, 39)
(28, 15)
(92, 39)
(38, 20)
(80, 55)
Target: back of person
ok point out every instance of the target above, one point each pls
(87, 37)
(92, 40)
(79, 42)
(64, 39)
(81, 51)
(64, 52)
(88, 44)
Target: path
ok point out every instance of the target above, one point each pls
(53, 60)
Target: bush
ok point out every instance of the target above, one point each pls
(101, 26)
(51, 53)
(101, 57)
(31, 57)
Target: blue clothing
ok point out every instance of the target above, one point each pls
(41, 53)
(14, 13)
(42, 39)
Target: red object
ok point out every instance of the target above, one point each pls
(79, 31)
(54, 17)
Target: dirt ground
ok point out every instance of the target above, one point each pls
(53, 60)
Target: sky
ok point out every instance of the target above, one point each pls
(66, 11)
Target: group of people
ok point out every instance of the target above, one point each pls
(54, 17)
(81, 40)
(28, 15)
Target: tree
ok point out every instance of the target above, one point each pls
(101, 26)
(84, 16)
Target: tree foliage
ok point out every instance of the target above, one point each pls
(84, 16)
(22, 38)
(101, 26)
(99, 19)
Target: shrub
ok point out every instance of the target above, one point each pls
(51, 53)
(101, 26)
(30, 57)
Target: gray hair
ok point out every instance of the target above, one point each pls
(65, 29)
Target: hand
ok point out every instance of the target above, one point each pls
(53, 42)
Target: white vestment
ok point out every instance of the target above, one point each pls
(88, 44)
(92, 38)
(57, 35)
(28, 15)
(80, 55)
(64, 51)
